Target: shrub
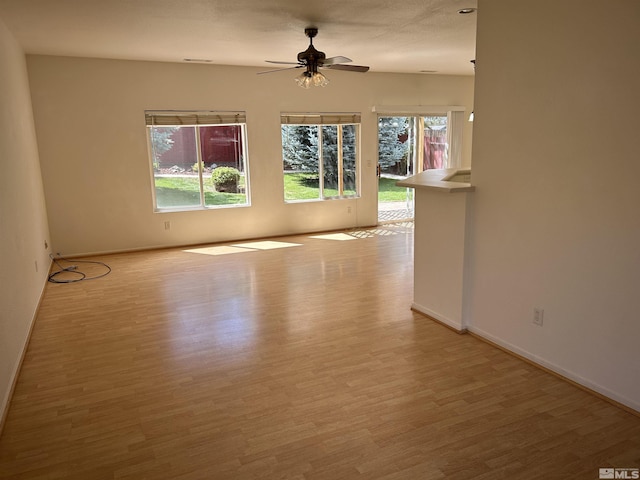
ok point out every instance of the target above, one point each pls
(225, 179)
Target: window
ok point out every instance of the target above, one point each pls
(320, 156)
(198, 159)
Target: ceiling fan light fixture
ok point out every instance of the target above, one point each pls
(319, 80)
(306, 79)
(303, 80)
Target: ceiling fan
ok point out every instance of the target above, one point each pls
(312, 59)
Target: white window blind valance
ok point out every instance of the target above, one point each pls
(425, 110)
(319, 118)
(193, 118)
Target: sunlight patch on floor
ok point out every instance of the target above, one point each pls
(266, 245)
(241, 248)
(383, 230)
(334, 236)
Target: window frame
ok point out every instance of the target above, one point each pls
(455, 123)
(320, 120)
(197, 119)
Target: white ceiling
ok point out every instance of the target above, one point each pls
(389, 36)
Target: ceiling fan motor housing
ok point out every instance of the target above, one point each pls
(311, 57)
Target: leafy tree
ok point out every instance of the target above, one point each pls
(161, 142)
(435, 121)
(390, 149)
(161, 139)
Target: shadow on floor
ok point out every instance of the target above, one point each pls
(394, 212)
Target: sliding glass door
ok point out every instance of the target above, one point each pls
(408, 145)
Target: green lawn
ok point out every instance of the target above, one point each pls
(304, 186)
(388, 191)
(183, 191)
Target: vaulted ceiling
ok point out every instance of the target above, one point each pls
(412, 36)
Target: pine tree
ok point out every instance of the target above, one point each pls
(390, 149)
(299, 147)
(349, 157)
(300, 152)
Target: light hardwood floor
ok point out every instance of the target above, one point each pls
(296, 358)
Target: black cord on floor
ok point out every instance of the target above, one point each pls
(53, 277)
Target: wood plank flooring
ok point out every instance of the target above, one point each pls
(294, 358)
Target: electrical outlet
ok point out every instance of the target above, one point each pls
(167, 225)
(46, 245)
(538, 316)
(348, 209)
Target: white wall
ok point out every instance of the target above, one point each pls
(440, 236)
(90, 123)
(23, 219)
(556, 165)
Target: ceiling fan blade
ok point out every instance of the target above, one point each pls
(281, 69)
(282, 63)
(334, 60)
(349, 68)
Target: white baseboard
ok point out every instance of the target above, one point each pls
(457, 326)
(571, 376)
